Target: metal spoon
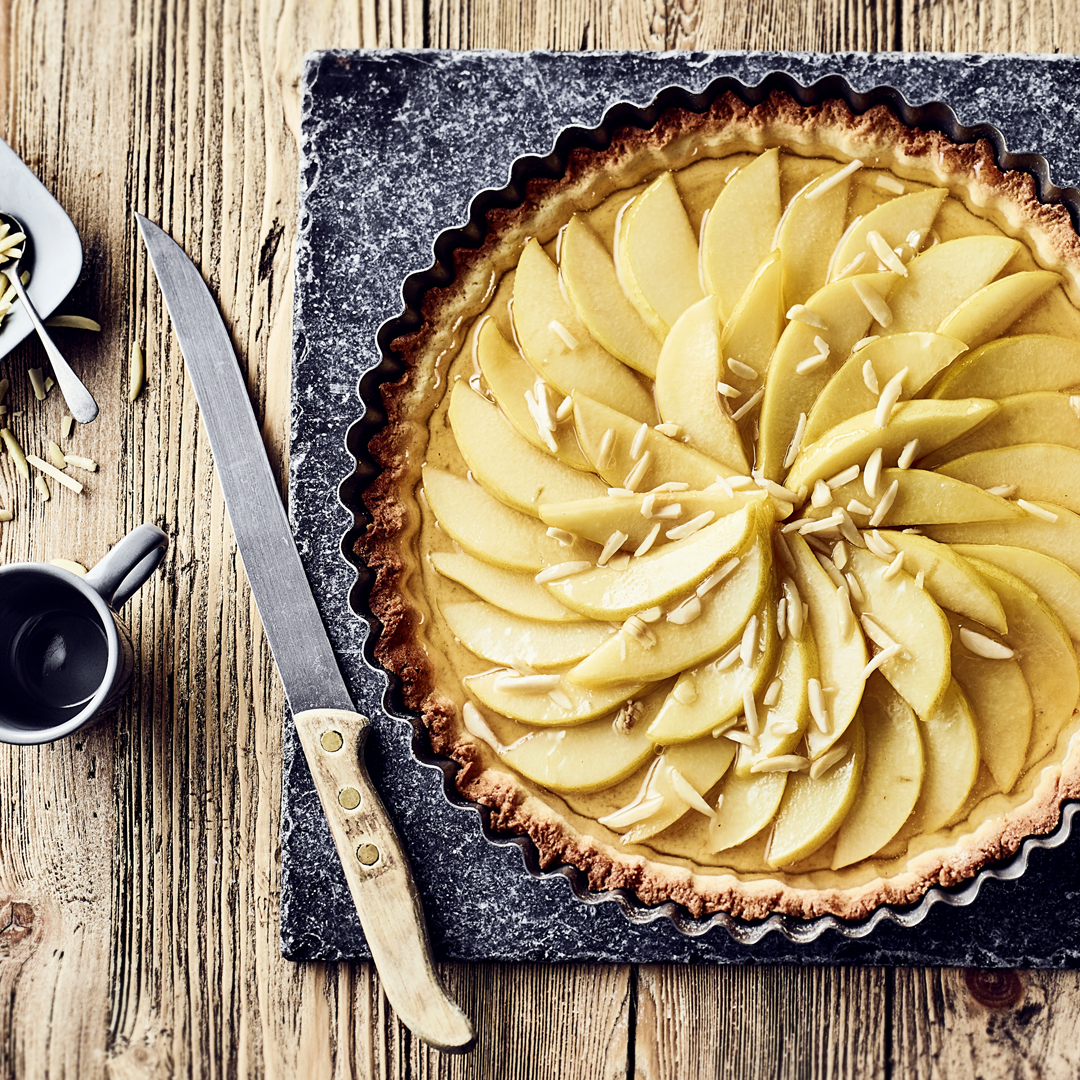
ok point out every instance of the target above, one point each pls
(79, 400)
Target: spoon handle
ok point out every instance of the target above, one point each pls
(79, 400)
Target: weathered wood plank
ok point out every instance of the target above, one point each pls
(993, 1024)
(760, 1021)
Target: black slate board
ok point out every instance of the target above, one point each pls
(395, 145)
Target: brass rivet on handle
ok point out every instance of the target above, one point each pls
(349, 798)
(332, 741)
(368, 854)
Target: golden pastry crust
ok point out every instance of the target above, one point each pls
(878, 138)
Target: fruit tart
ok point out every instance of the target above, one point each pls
(727, 532)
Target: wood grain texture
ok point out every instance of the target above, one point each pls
(139, 873)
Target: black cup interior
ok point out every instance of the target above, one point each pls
(54, 651)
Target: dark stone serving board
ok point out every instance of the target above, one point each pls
(395, 145)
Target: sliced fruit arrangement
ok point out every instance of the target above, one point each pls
(769, 527)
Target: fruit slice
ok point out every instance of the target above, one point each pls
(1045, 654)
(939, 280)
(495, 690)
(920, 672)
(589, 757)
(1044, 414)
(686, 377)
(891, 778)
(926, 498)
(812, 810)
(588, 274)
(933, 423)
(894, 222)
(709, 698)
(510, 590)
(753, 331)
(493, 532)
(668, 460)
(657, 256)
(809, 232)
(510, 378)
(724, 614)
(1002, 706)
(789, 392)
(739, 231)
(1013, 365)
(512, 470)
(659, 577)
(847, 393)
(841, 658)
(597, 519)
(1059, 539)
(1039, 472)
(511, 640)
(560, 348)
(700, 765)
(747, 805)
(951, 747)
(950, 580)
(785, 720)
(995, 307)
(1057, 586)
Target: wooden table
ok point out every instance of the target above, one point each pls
(139, 862)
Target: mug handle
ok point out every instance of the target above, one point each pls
(124, 569)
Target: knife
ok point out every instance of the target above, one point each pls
(331, 732)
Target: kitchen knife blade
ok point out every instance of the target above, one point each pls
(330, 731)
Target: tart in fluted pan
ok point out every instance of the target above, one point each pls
(727, 532)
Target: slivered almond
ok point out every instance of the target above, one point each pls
(796, 442)
(562, 570)
(727, 660)
(638, 444)
(561, 536)
(890, 395)
(650, 539)
(42, 488)
(783, 763)
(743, 738)
(885, 505)
(831, 181)
(839, 555)
(890, 260)
(879, 545)
(727, 390)
(744, 371)
(845, 618)
(889, 183)
(854, 588)
(818, 712)
(751, 401)
(920, 580)
(872, 301)
(810, 364)
(614, 542)
(851, 268)
(1004, 491)
(632, 814)
(56, 456)
(872, 474)
(876, 632)
(565, 409)
(821, 496)
(605, 450)
(620, 493)
(670, 485)
(777, 491)
(772, 691)
(856, 507)
(681, 532)
(801, 313)
(669, 512)
(843, 477)
(672, 431)
(869, 377)
(686, 612)
(748, 645)
(637, 474)
(1036, 511)
(753, 724)
(53, 472)
(893, 568)
(527, 684)
(567, 338)
(908, 454)
(686, 791)
(717, 576)
(981, 645)
(781, 618)
(880, 658)
(831, 757)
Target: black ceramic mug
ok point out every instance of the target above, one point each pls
(65, 656)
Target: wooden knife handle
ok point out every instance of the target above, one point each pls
(379, 878)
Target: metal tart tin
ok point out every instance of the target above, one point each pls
(470, 235)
